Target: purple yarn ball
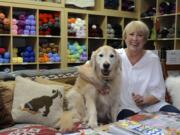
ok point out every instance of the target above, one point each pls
(32, 22)
(21, 23)
(28, 22)
(31, 17)
(26, 32)
(32, 32)
(33, 28)
(27, 27)
(20, 31)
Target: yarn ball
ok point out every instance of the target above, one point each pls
(14, 21)
(26, 32)
(6, 60)
(32, 32)
(29, 48)
(27, 22)
(2, 50)
(22, 17)
(6, 55)
(25, 59)
(50, 55)
(21, 23)
(31, 17)
(32, 59)
(1, 60)
(14, 27)
(14, 32)
(6, 21)
(20, 31)
(2, 16)
(57, 59)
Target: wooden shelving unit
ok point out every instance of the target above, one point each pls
(98, 15)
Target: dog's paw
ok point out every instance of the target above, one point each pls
(92, 124)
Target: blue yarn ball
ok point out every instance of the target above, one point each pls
(32, 54)
(31, 17)
(32, 32)
(32, 59)
(6, 55)
(25, 59)
(1, 60)
(6, 60)
(29, 48)
(27, 27)
(28, 22)
(55, 55)
(26, 54)
(52, 59)
(50, 55)
(57, 59)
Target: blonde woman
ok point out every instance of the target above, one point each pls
(142, 87)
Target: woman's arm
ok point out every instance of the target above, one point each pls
(86, 73)
(144, 100)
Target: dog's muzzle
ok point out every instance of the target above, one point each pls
(106, 71)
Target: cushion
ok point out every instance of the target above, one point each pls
(46, 81)
(5, 116)
(6, 96)
(173, 87)
(37, 103)
(6, 90)
(29, 129)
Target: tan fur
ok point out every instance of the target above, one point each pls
(84, 101)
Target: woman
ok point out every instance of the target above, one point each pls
(142, 87)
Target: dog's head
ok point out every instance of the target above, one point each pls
(105, 61)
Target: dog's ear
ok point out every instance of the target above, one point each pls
(92, 61)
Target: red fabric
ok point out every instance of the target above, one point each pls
(30, 129)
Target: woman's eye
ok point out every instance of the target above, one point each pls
(111, 56)
(100, 55)
(131, 34)
(140, 35)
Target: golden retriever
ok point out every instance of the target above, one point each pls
(85, 103)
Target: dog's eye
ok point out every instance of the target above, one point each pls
(100, 55)
(111, 56)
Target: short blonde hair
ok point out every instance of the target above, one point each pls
(136, 26)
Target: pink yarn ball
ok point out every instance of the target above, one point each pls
(14, 32)
(14, 27)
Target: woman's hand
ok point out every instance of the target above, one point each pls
(86, 73)
(138, 99)
(144, 100)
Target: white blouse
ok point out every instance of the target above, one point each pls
(143, 78)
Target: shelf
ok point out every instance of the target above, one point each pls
(166, 25)
(44, 43)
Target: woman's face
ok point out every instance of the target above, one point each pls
(135, 41)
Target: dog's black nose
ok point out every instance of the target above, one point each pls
(106, 65)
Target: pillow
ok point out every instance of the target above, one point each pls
(5, 116)
(6, 97)
(37, 103)
(46, 81)
(29, 129)
(173, 87)
(6, 91)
